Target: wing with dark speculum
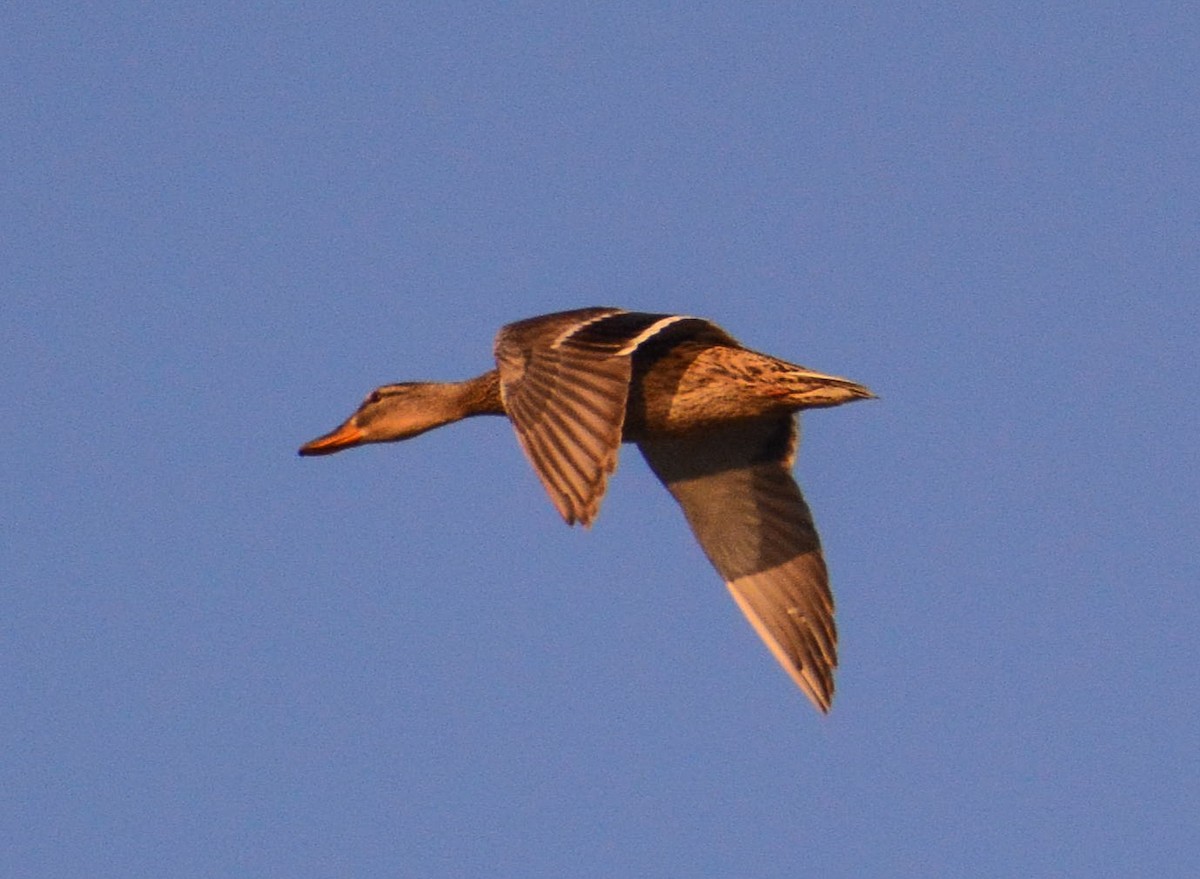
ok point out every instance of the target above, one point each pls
(564, 380)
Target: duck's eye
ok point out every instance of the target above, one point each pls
(374, 397)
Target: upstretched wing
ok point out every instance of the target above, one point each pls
(736, 488)
(564, 379)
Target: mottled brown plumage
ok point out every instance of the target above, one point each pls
(715, 421)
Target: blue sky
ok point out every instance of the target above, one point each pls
(224, 224)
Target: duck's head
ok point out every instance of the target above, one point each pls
(391, 413)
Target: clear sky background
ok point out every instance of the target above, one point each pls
(224, 223)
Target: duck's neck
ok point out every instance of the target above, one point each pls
(481, 395)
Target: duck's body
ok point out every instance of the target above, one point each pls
(715, 421)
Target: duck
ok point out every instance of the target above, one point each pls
(716, 422)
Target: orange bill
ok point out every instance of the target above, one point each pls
(342, 438)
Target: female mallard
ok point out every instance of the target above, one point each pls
(716, 422)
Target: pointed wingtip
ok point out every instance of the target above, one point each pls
(822, 701)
